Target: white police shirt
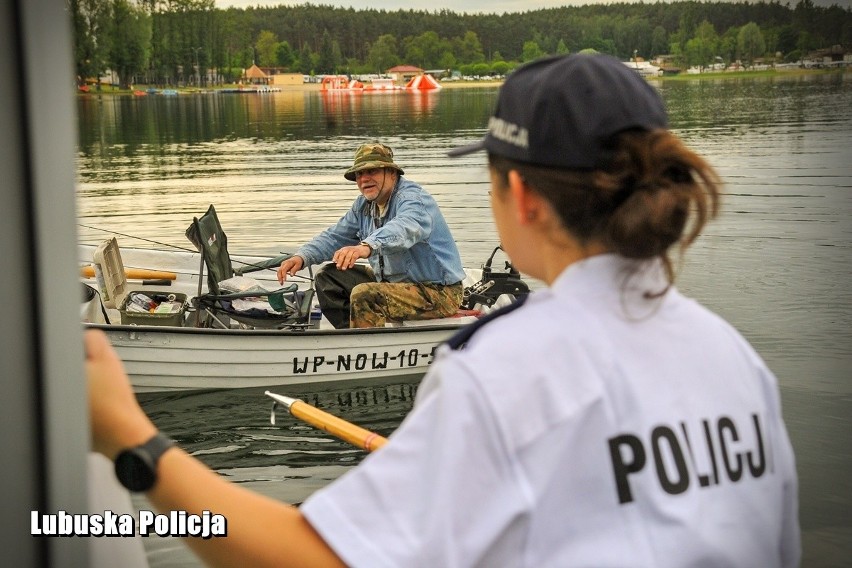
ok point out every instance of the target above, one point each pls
(590, 427)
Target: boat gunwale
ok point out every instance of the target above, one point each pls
(272, 332)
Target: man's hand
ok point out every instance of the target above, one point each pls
(290, 267)
(345, 258)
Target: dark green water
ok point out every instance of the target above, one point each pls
(776, 264)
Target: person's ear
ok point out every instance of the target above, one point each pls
(527, 202)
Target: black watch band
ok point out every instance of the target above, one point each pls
(136, 468)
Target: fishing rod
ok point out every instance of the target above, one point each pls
(186, 249)
(180, 248)
(338, 427)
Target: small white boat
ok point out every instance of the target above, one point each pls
(644, 68)
(173, 354)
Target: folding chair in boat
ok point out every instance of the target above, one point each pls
(216, 307)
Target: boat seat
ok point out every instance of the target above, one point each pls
(461, 317)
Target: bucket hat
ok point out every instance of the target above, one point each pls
(371, 155)
(561, 111)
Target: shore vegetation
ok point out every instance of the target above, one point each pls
(191, 43)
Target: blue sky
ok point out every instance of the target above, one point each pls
(470, 6)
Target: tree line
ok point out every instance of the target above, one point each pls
(171, 42)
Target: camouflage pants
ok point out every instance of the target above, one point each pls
(372, 304)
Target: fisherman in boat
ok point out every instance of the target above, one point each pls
(606, 421)
(415, 270)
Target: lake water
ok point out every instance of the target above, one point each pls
(777, 263)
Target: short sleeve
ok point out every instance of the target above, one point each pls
(427, 497)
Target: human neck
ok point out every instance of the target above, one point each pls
(384, 196)
(555, 257)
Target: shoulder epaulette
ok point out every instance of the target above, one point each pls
(458, 340)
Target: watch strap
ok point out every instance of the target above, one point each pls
(136, 468)
(157, 446)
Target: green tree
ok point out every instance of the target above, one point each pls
(336, 55)
(234, 39)
(728, 45)
(181, 37)
(531, 51)
(468, 49)
(500, 67)
(631, 35)
(448, 61)
(130, 42)
(482, 69)
(659, 42)
(266, 48)
(92, 22)
(383, 54)
(329, 54)
(601, 45)
(804, 15)
(794, 56)
(787, 38)
(306, 60)
(750, 43)
(425, 50)
(284, 55)
(806, 42)
(701, 49)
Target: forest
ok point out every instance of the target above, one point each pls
(191, 42)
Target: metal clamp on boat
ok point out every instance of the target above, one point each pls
(492, 285)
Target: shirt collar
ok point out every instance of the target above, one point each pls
(612, 277)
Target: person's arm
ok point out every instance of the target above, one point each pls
(343, 233)
(261, 531)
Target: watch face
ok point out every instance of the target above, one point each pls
(133, 471)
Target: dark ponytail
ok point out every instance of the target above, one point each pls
(655, 193)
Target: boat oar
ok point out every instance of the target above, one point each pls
(88, 271)
(335, 426)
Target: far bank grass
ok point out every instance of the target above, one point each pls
(749, 74)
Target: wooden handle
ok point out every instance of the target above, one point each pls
(338, 427)
(88, 271)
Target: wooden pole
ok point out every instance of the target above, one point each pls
(88, 271)
(346, 431)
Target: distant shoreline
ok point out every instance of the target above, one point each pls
(110, 90)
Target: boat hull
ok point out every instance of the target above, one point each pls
(161, 359)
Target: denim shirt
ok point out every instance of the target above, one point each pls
(412, 243)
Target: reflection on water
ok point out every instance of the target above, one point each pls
(776, 264)
(344, 110)
(232, 428)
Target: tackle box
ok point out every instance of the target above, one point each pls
(172, 318)
(112, 283)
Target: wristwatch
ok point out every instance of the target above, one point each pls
(366, 244)
(136, 468)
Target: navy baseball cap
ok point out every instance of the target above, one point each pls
(561, 111)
